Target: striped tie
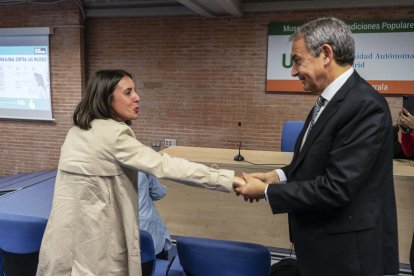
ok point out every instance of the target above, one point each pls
(319, 103)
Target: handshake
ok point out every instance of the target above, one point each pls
(253, 186)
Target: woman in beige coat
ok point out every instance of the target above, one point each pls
(93, 227)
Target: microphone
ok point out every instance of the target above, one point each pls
(239, 157)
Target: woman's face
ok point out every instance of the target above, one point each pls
(125, 100)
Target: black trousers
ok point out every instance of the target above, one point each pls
(20, 264)
(163, 255)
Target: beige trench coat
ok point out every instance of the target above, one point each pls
(93, 226)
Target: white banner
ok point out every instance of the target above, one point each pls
(384, 56)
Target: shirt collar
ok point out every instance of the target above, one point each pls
(334, 86)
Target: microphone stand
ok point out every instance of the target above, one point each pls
(239, 157)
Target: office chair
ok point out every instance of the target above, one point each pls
(290, 133)
(20, 239)
(206, 257)
(147, 253)
(150, 265)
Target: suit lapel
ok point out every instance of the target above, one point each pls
(300, 137)
(323, 119)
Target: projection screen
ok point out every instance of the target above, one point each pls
(25, 74)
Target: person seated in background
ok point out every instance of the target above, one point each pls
(412, 254)
(406, 125)
(406, 138)
(149, 190)
(398, 152)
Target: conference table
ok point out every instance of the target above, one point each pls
(190, 211)
(25, 204)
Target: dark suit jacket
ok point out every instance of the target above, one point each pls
(340, 192)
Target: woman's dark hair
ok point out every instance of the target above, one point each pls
(96, 103)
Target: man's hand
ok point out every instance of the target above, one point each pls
(268, 177)
(253, 189)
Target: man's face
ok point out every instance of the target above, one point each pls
(309, 69)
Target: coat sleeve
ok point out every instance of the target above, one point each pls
(129, 152)
(156, 190)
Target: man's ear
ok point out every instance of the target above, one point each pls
(327, 53)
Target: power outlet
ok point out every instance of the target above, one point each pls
(170, 142)
(156, 145)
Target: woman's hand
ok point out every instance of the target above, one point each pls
(406, 119)
(238, 182)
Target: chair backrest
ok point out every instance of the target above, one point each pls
(206, 257)
(21, 234)
(147, 253)
(290, 133)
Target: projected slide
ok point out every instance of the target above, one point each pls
(25, 77)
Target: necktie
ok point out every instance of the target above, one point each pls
(319, 103)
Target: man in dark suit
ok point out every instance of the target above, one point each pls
(339, 190)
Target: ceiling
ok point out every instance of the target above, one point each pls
(213, 8)
(207, 8)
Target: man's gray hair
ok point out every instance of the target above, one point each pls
(328, 30)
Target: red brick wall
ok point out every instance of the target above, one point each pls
(33, 145)
(197, 78)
